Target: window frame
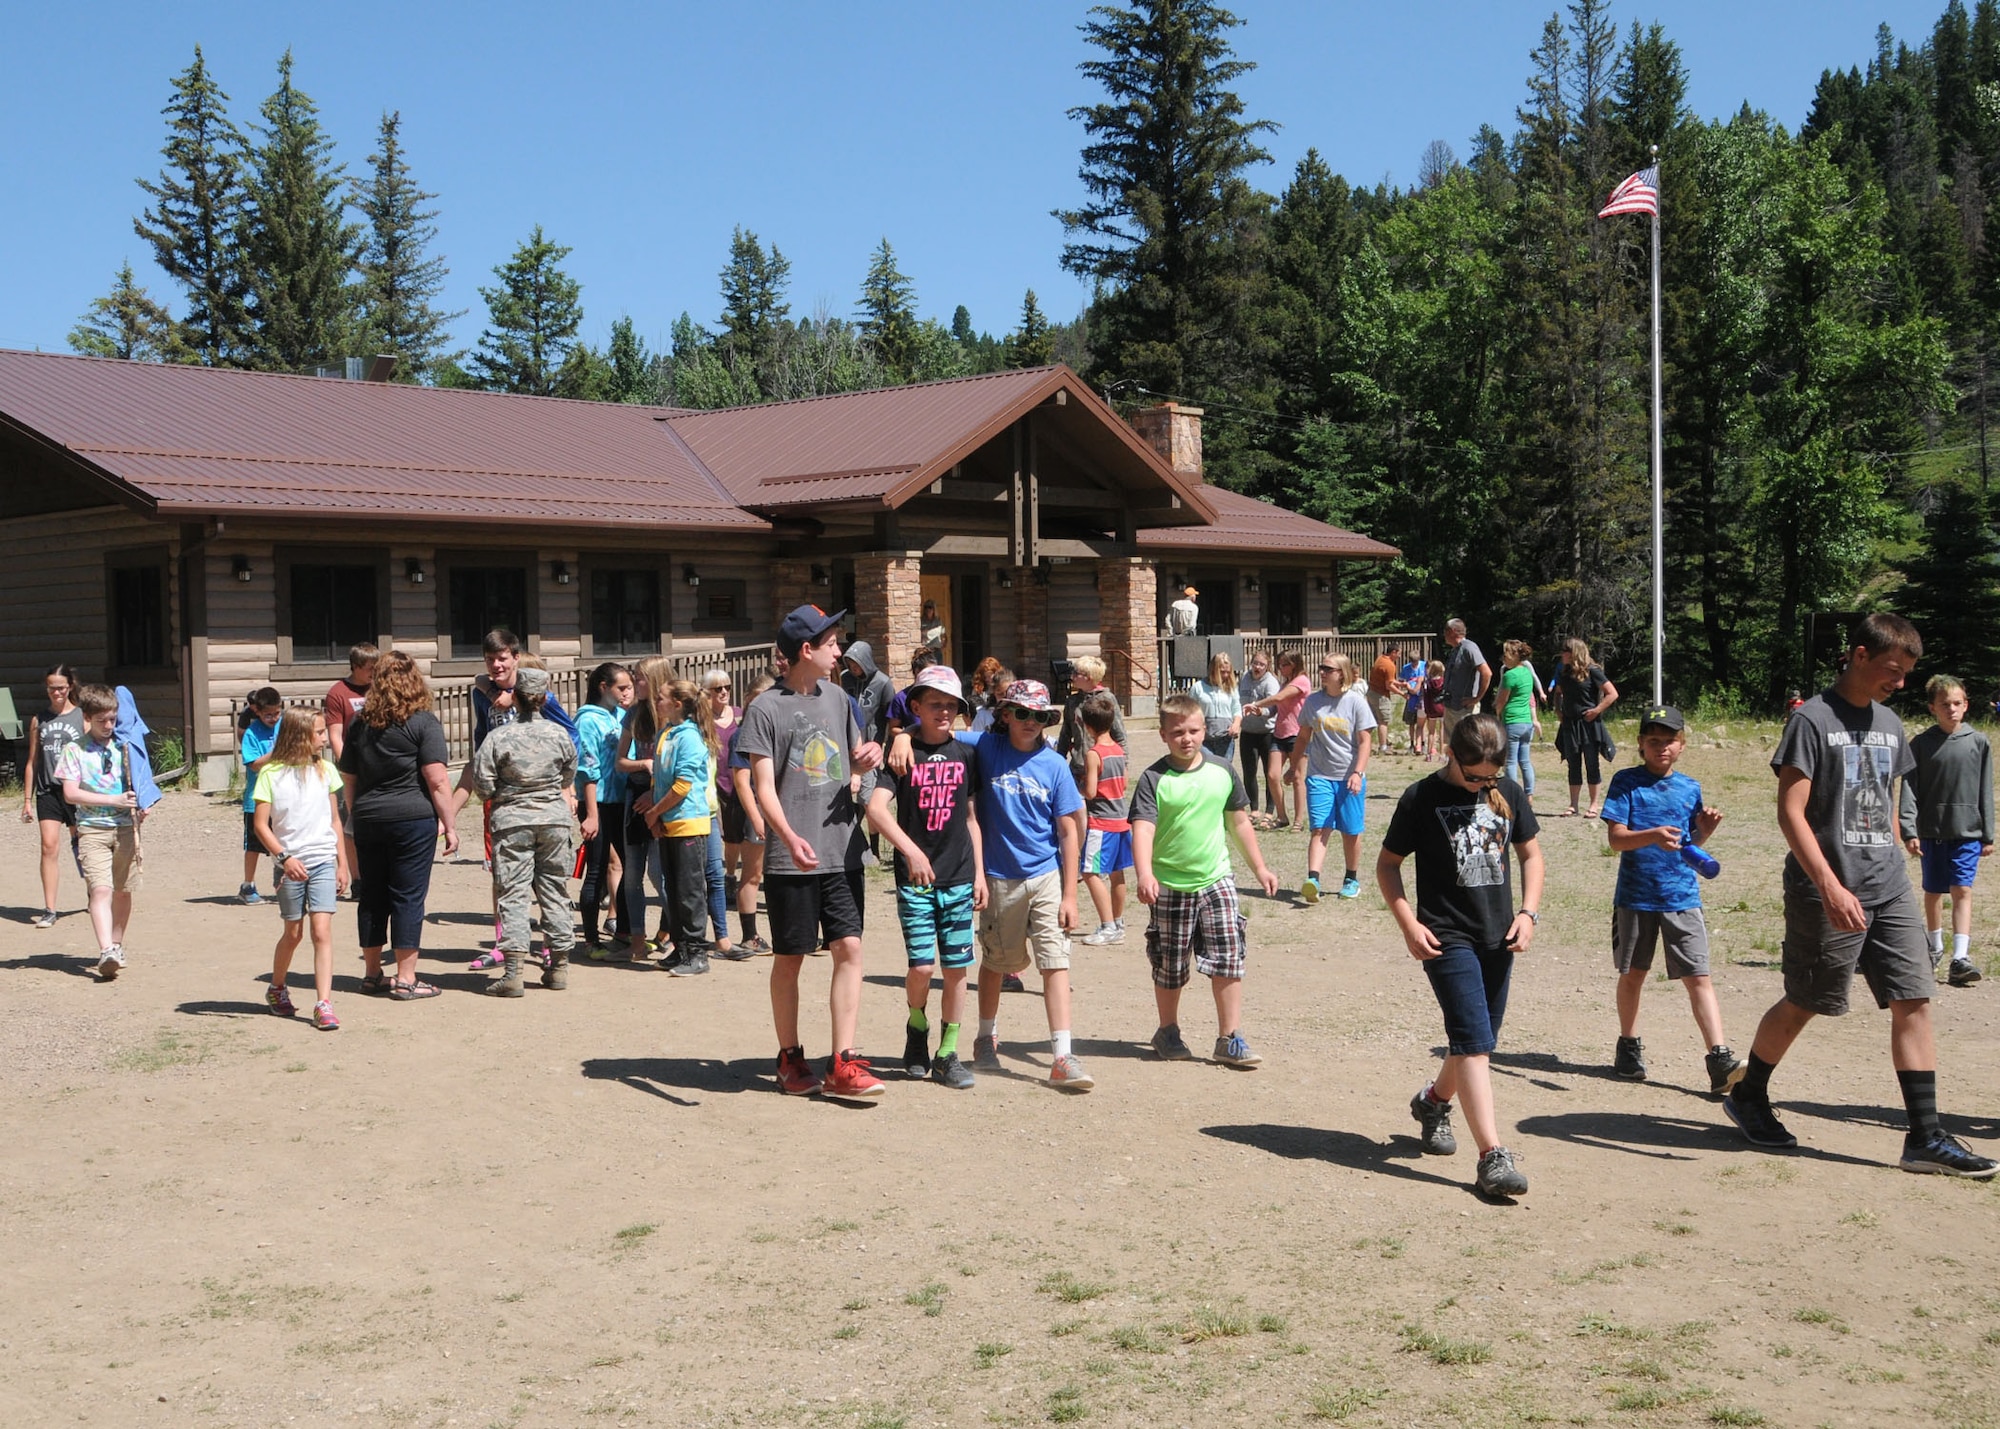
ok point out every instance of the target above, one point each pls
(288, 665)
(135, 558)
(705, 624)
(587, 568)
(476, 558)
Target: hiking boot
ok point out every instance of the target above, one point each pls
(986, 1053)
(111, 962)
(509, 984)
(1725, 1070)
(1066, 1073)
(279, 1000)
(848, 1078)
(693, 965)
(1942, 1155)
(1168, 1046)
(916, 1051)
(555, 973)
(1499, 1176)
(1759, 1124)
(1964, 973)
(1629, 1061)
(1309, 890)
(1233, 1051)
(1106, 933)
(45, 919)
(1350, 886)
(1435, 1118)
(796, 1078)
(948, 1071)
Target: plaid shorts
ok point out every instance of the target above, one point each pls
(1205, 929)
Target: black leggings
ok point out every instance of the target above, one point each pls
(1257, 748)
(597, 867)
(1588, 756)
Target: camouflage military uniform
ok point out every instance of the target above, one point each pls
(523, 771)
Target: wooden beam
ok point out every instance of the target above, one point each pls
(1066, 496)
(1001, 548)
(1034, 542)
(1017, 499)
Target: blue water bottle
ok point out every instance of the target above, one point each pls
(1700, 860)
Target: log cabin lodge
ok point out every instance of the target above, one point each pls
(194, 533)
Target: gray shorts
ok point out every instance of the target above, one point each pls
(1820, 960)
(318, 894)
(1634, 931)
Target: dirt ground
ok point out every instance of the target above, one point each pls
(593, 1207)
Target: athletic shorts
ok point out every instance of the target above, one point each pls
(1022, 923)
(1684, 932)
(320, 893)
(808, 908)
(1204, 929)
(109, 857)
(736, 824)
(1820, 960)
(935, 918)
(1331, 805)
(52, 808)
(251, 843)
(1949, 863)
(1107, 851)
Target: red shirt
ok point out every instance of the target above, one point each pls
(343, 706)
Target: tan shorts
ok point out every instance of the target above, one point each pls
(1023, 916)
(1385, 710)
(110, 858)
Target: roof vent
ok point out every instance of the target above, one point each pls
(379, 368)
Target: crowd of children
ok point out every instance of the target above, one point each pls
(991, 828)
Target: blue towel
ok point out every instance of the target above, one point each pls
(131, 735)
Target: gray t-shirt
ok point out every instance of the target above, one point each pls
(809, 740)
(523, 770)
(1253, 688)
(1853, 754)
(1332, 726)
(1461, 674)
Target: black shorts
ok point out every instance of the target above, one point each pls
(806, 908)
(52, 807)
(735, 824)
(251, 843)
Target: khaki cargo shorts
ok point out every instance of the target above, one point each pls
(110, 858)
(1023, 917)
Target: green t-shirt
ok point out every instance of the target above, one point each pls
(1518, 685)
(1189, 810)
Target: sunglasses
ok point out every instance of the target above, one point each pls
(1482, 779)
(1329, 669)
(718, 689)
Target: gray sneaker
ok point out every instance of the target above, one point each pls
(1106, 933)
(1168, 1046)
(1937, 955)
(1435, 1118)
(45, 919)
(948, 1071)
(1067, 1074)
(1629, 1060)
(111, 962)
(1233, 1051)
(1499, 1176)
(986, 1053)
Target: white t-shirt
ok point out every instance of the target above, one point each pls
(300, 817)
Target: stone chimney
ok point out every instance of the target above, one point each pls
(1174, 432)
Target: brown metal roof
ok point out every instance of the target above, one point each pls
(206, 441)
(1244, 523)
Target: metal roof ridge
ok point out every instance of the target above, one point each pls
(714, 481)
(1016, 372)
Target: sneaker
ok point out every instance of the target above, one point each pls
(45, 919)
(279, 1000)
(1233, 1051)
(323, 1017)
(1309, 890)
(1964, 973)
(734, 953)
(948, 1071)
(1168, 1046)
(1435, 1117)
(247, 893)
(916, 1051)
(1725, 1070)
(693, 965)
(1499, 1176)
(1067, 1074)
(1106, 933)
(1759, 1124)
(672, 960)
(1937, 954)
(1942, 1155)
(848, 1078)
(1350, 886)
(869, 858)
(755, 947)
(111, 962)
(1629, 1061)
(1011, 982)
(796, 1078)
(986, 1053)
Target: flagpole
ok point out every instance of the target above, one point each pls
(1659, 470)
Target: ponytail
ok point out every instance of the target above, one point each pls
(1479, 739)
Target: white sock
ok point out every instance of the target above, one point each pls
(1961, 945)
(1059, 1043)
(989, 1027)
(1936, 936)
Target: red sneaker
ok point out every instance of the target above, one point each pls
(848, 1077)
(796, 1077)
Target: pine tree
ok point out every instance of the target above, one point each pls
(192, 222)
(400, 280)
(888, 313)
(632, 378)
(128, 324)
(1030, 344)
(1953, 586)
(298, 249)
(533, 316)
(753, 308)
(961, 323)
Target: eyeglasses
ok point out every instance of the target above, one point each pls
(1329, 669)
(1486, 779)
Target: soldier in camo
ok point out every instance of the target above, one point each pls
(526, 771)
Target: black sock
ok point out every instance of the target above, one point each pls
(749, 921)
(1920, 1100)
(1353, 873)
(1757, 1081)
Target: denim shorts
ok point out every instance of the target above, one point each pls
(1331, 805)
(935, 919)
(1471, 989)
(1949, 863)
(318, 894)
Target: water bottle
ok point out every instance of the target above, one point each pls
(1700, 860)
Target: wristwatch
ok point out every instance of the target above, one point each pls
(1532, 916)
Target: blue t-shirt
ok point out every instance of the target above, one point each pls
(258, 741)
(1020, 798)
(1653, 879)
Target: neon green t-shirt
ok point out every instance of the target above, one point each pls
(1189, 810)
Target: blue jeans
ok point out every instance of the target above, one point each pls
(1519, 738)
(1471, 989)
(718, 894)
(1222, 746)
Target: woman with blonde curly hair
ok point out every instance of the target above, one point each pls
(399, 801)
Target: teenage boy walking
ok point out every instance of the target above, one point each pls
(1848, 904)
(96, 780)
(803, 743)
(1946, 818)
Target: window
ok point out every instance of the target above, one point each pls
(625, 612)
(483, 598)
(1284, 607)
(139, 615)
(333, 608)
(722, 605)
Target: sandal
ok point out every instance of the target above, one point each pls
(376, 983)
(412, 991)
(492, 958)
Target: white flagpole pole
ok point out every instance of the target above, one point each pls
(1659, 473)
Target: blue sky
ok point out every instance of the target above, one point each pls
(640, 134)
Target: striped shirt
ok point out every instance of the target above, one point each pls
(1107, 810)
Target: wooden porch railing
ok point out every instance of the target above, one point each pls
(1362, 649)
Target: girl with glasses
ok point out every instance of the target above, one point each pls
(51, 732)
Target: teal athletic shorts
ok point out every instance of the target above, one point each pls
(935, 918)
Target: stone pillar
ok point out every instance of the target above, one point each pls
(1127, 598)
(791, 587)
(889, 608)
(1031, 628)
(1174, 432)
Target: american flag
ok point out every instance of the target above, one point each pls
(1638, 194)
